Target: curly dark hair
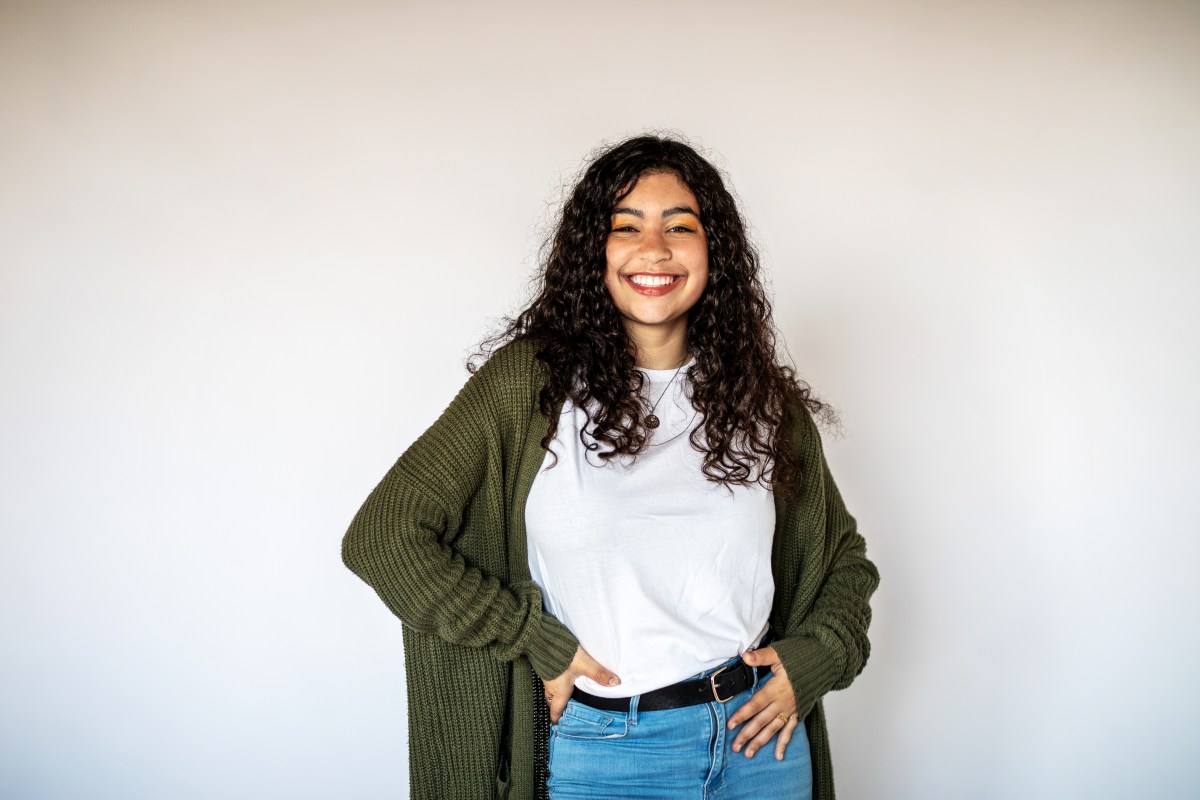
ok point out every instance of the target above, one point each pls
(746, 397)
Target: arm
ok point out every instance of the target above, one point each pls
(445, 489)
(826, 645)
(829, 648)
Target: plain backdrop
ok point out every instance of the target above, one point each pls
(246, 248)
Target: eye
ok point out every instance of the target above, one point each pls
(681, 229)
(623, 229)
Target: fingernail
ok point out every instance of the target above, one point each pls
(749, 754)
(614, 681)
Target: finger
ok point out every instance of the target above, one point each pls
(750, 709)
(765, 734)
(759, 730)
(558, 704)
(587, 666)
(762, 657)
(785, 736)
(776, 690)
(745, 735)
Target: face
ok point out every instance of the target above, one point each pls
(657, 257)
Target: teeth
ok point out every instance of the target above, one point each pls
(652, 280)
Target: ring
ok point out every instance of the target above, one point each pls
(783, 718)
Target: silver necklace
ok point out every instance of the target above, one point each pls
(687, 427)
(652, 421)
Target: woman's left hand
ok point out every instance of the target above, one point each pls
(764, 714)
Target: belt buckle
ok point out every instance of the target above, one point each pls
(712, 682)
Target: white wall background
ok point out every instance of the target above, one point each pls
(246, 247)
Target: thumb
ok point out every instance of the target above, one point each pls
(762, 657)
(590, 668)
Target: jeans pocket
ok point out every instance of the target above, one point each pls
(584, 722)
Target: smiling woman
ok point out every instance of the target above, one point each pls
(657, 265)
(621, 562)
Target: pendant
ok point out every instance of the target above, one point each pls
(651, 421)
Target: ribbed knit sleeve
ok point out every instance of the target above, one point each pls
(408, 541)
(825, 645)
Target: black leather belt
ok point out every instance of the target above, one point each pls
(719, 687)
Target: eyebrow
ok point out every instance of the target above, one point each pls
(670, 212)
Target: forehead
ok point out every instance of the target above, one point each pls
(657, 188)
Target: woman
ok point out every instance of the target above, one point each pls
(591, 546)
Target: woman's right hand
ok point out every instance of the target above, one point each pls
(558, 691)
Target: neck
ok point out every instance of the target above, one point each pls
(660, 349)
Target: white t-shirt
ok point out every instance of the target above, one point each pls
(659, 572)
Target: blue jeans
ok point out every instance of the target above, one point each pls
(670, 755)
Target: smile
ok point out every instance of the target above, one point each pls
(653, 280)
(653, 285)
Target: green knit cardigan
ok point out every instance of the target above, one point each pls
(441, 539)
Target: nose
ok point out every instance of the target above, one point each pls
(654, 247)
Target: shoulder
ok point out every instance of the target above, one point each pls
(515, 364)
(802, 431)
(519, 355)
(510, 379)
(800, 436)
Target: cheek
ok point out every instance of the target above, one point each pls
(612, 265)
(699, 273)
(610, 275)
(700, 263)
(611, 282)
(614, 255)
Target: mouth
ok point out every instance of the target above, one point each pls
(653, 284)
